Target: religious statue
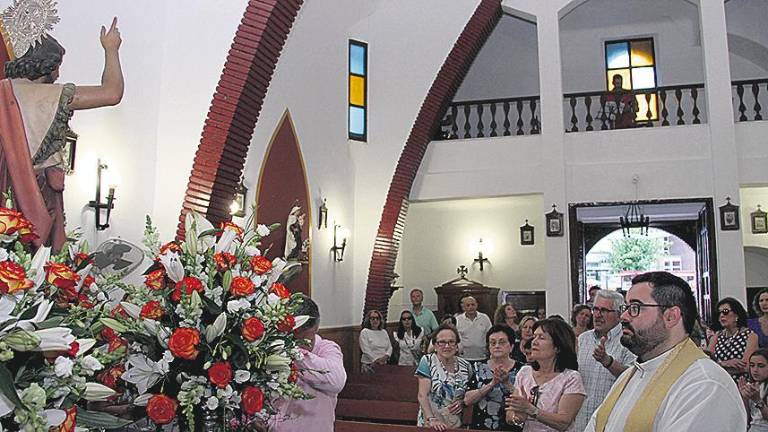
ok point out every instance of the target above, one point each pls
(35, 112)
(293, 230)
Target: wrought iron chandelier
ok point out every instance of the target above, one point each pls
(634, 217)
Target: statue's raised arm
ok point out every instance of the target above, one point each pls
(110, 92)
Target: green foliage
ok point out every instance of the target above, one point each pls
(634, 253)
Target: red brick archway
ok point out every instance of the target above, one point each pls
(444, 87)
(235, 108)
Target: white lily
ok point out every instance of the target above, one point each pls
(213, 331)
(225, 241)
(172, 264)
(6, 406)
(237, 305)
(55, 417)
(85, 345)
(300, 321)
(43, 309)
(97, 392)
(131, 309)
(37, 265)
(142, 400)
(54, 339)
(63, 367)
(7, 303)
(142, 372)
(83, 273)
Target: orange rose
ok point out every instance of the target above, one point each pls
(241, 286)
(252, 400)
(186, 286)
(294, 376)
(183, 343)
(252, 329)
(286, 324)
(260, 265)
(280, 290)
(152, 310)
(231, 226)
(220, 374)
(61, 275)
(13, 278)
(13, 222)
(170, 247)
(155, 280)
(161, 409)
(224, 261)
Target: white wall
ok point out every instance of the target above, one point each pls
(747, 38)
(441, 235)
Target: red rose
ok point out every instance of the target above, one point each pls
(116, 343)
(294, 376)
(13, 278)
(152, 310)
(280, 290)
(155, 280)
(88, 281)
(110, 376)
(119, 312)
(286, 324)
(220, 374)
(81, 258)
(84, 301)
(224, 261)
(183, 343)
(108, 334)
(252, 400)
(241, 286)
(260, 265)
(161, 409)
(186, 286)
(252, 329)
(231, 226)
(61, 275)
(74, 347)
(67, 295)
(170, 247)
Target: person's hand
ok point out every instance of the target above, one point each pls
(437, 424)
(110, 39)
(752, 391)
(500, 375)
(519, 404)
(381, 360)
(736, 364)
(599, 353)
(455, 407)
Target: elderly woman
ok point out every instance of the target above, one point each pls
(408, 337)
(374, 342)
(581, 319)
(443, 379)
(494, 379)
(759, 325)
(526, 334)
(734, 343)
(549, 391)
(506, 314)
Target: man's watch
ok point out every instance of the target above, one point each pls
(535, 412)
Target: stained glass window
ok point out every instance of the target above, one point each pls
(635, 61)
(357, 126)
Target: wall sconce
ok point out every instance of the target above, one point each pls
(323, 215)
(340, 235)
(480, 258)
(97, 205)
(237, 208)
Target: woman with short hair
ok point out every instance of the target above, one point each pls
(526, 334)
(581, 319)
(550, 391)
(734, 343)
(374, 342)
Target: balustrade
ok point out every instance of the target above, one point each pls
(491, 118)
(747, 95)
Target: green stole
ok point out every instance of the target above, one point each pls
(643, 414)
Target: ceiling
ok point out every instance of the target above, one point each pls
(657, 212)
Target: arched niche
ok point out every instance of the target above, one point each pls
(282, 187)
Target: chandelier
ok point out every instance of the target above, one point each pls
(634, 217)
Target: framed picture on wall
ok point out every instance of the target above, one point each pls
(555, 223)
(759, 221)
(526, 234)
(729, 216)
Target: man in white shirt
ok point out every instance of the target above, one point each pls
(602, 357)
(690, 392)
(472, 326)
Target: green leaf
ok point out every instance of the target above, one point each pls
(209, 232)
(50, 323)
(7, 386)
(114, 325)
(97, 419)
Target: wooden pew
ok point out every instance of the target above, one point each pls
(356, 426)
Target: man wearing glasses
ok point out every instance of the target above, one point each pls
(673, 386)
(602, 357)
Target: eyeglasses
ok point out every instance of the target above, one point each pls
(445, 343)
(406, 319)
(500, 342)
(634, 308)
(724, 311)
(602, 310)
(374, 318)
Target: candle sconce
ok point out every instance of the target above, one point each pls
(97, 205)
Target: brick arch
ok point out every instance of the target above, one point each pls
(444, 87)
(235, 108)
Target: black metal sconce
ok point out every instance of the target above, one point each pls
(237, 208)
(97, 205)
(339, 235)
(323, 215)
(480, 258)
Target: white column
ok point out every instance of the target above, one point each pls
(725, 163)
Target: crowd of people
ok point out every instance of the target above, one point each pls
(640, 360)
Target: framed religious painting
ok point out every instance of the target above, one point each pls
(759, 221)
(729, 216)
(554, 223)
(526, 234)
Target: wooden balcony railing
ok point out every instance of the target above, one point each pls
(491, 118)
(662, 106)
(746, 99)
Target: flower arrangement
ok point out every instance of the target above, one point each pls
(50, 312)
(210, 332)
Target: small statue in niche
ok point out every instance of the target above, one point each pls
(35, 112)
(293, 234)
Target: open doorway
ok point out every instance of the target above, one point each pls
(683, 226)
